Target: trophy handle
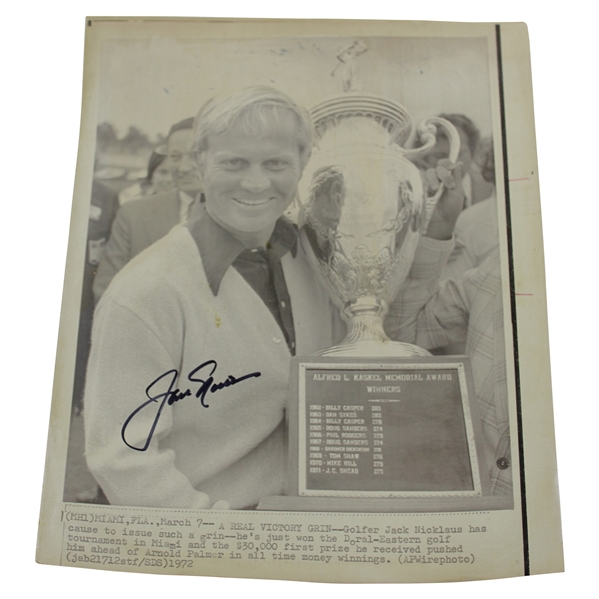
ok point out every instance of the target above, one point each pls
(426, 131)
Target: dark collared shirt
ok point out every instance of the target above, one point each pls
(260, 266)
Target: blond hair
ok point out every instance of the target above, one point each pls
(257, 109)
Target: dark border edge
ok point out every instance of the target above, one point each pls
(525, 543)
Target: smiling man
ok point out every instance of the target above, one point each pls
(229, 288)
(250, 173)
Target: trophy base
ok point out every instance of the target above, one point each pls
(373, 348)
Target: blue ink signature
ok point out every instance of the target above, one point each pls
(171, 396)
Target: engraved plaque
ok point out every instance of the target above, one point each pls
(384, 428)
(384, 434)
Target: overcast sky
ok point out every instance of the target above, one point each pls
(154, 83)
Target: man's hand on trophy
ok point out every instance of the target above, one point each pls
(451, 203)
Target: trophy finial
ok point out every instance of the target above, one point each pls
(347, 65)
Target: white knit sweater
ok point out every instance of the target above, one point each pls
(160, 314)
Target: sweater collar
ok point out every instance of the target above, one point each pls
(219, 249)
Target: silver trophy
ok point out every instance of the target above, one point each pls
(365, 209)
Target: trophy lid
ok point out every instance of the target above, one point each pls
(389, 114)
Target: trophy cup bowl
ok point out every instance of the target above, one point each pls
(365, 209)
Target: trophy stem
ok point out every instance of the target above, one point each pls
(366, 327)
(364, 318)
(366, 336)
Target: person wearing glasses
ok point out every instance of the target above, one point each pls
(140, 223)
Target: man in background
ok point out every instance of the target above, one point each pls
(140, 223)
(158, 179)
(476, 231)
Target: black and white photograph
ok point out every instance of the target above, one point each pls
(288, 198)
(296, 328)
